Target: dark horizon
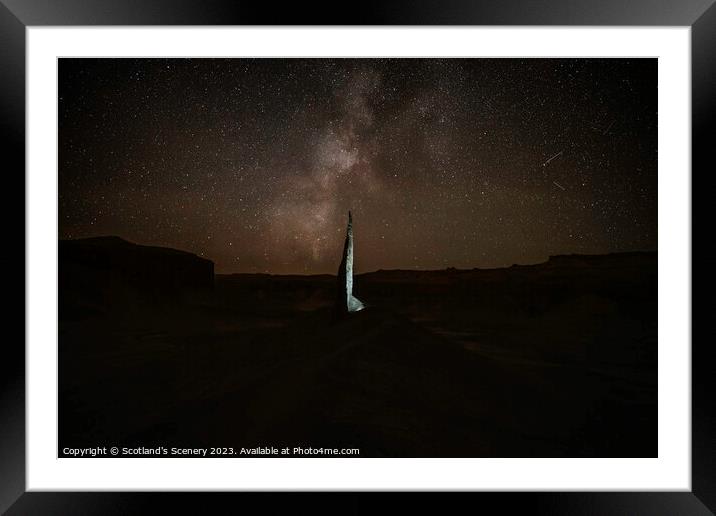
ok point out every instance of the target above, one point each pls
(463, 163)
(372, 271)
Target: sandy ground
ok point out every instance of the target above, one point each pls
(551, 360)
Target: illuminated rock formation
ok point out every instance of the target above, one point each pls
(346, 302)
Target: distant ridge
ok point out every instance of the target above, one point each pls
(100, 272)
(112, 241)
(560, 260)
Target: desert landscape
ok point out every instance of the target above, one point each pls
(556, 359)
(501, 302)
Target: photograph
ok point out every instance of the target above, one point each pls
(357, 257)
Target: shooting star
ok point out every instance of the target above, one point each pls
(559, 185)
(553, 157)
(609, 127)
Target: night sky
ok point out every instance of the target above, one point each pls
(254, 163)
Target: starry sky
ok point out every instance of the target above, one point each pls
(254, 163)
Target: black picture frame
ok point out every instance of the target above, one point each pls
(17, 15)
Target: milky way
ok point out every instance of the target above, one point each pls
(254, 163)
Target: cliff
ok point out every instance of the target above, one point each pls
(97, 273)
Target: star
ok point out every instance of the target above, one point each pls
(445, 162)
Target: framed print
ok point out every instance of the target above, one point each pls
(440, 248)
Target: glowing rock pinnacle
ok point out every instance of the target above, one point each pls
(346, 302)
